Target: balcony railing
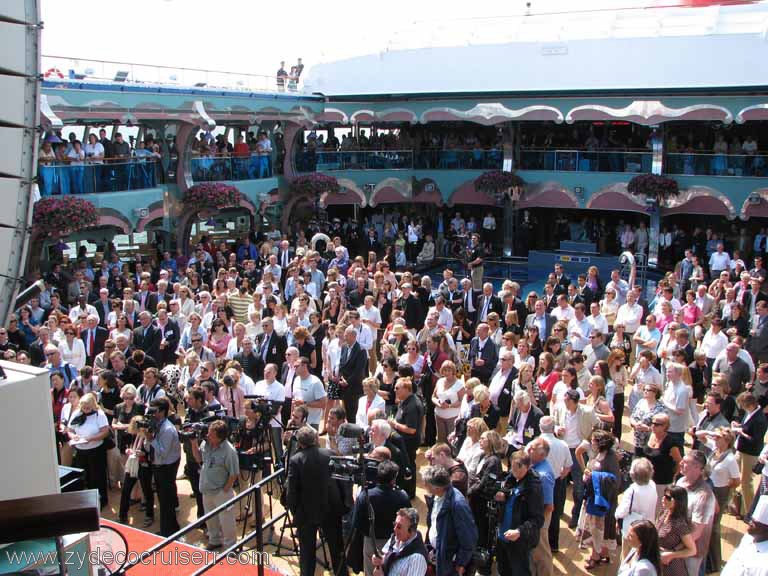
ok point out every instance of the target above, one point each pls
(585, 160)
(717, 164)
(398, 160)
(111, 176)
(215, 168)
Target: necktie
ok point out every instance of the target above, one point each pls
(264, 348)
(143, 301)
(92, 343)
(485, 308)
(344, 355)
(468, 301)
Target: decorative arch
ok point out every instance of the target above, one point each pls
(156, 210)
(467, 193)
(749, 210)
(700, 200)
(489, 113)
(333, 115)
(756, 112)
(548, 195)
(350, 186)
(615, 197)
(397, 115)
(110, 217)
(649, 112)
(363, 116)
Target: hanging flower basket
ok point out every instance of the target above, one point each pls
(314, 184)
(212, 195)
(59, 216)
(653, 186)
(497, 181)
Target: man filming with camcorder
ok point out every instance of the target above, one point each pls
(197, 412)
(220, 468)
(382, 500)
(166, 455)
(314, 500)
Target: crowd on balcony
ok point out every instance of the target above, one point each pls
(252, 155)
(98, 165)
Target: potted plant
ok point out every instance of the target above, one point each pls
(500, 184)
(58, 216)
(314, 184)
(653, 187)
(212, 195)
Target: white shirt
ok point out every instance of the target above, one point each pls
(310, 390)
(271, 391)
(599, 322)
(75, 312)
(365, 336)
(719, 261)
(749, 559)
(436, 507)
(361, 417)
(371, 314)
(571, 425)
(247, 385)
(578, 333)
(496, 388)
(559, 454)
(445, 318)
(91, 427)
(643, 500)
(562, 314)
(713, 344)
(723, 470)
(630, 315)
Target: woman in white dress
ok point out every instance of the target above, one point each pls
(121, 328)
(369, 401)
(447, 397)
(72, 349)
(471, 453)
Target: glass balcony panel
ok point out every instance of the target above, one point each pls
(690, 163)
(585, 160)
(111, 176)
(233, 168)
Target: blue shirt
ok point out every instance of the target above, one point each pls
(547, 475)
(166, 445)
(506, 520)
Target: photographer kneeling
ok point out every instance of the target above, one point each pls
(220, 468)
(385, 499)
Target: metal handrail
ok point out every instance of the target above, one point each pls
(207, 516)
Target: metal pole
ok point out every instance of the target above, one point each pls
(62, 557)
(259, 531)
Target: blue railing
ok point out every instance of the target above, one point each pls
(585, 160)
(398, 160)
(717, 164)
(63, 179)
(215, 168)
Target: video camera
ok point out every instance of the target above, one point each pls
(199, 430)
(354, 469)
(148, 422)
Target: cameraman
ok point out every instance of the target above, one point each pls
(522, 516)
(337, 443)
(220, 468)
(197, 410)
(273, 391)
(165, 462)
(315, 501)
(385, 499)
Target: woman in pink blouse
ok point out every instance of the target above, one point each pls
(219, 339)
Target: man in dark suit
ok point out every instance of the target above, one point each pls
(103, 305)
(353, 368)
(550, 297)
(468, 300)
(524, 422)
(146, 300)
(483, 355)
(750, 440)
(500, 386)
(757, 345)
(488, 302)
(271, 346)
(542, 319)
(169, 338)
(372, 242)
(315, 501)
(146, 337)
(284, 257)
(574, 297)
(287, 378)
(452, 294)
(251, 362)
(584, 291)
(561, 277)
(93, 338)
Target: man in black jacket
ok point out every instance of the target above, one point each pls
(521, 517)
(353, 368)
(270, 346)
(382, 435)
(315, 501)
(385, 500)
(407, 422)
(413, 313)
(251, 362)
(146, 337)
(524, 422)
(749, 443)
(483, 355)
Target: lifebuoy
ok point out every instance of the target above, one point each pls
(319, 236)
(54, 72)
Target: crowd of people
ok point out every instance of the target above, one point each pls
(501, 402)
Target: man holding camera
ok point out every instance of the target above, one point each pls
(197, 410)
(385, 499)
(165, 462)
(273, 391)
(404, 553)
(220, 469)
(315, 502)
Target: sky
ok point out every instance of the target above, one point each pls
(253, 36)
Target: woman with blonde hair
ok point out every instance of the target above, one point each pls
(370, 400)
(140, 450)
(471, 453)
(447, 397)
(597, 401)
(493, 448)
(87, 429)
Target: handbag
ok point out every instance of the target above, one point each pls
(132, 465)
(624, 524)
(109, 441)
(758, 467)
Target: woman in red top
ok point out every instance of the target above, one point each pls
(546, 377)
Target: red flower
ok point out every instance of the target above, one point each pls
(64, 214)
(212, 195)
(496, 181)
